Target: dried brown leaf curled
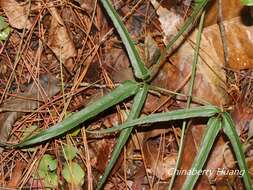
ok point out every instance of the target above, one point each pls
(17, 13)
(210, 82)
(151, 51)
(170, 21)
(239, 43)
(59, 39)
(87, 5)
(234, 9)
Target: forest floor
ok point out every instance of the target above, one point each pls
(58, 57)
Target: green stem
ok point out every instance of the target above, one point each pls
(194, 66)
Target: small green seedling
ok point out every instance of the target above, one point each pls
(47, 171)
(72, 171)
(5, 29)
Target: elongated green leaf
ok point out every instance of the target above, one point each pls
(229, 129)
(139, 100)
(213, 128)
(247, 2)
(140, 71)
(122, 92)
(202, 111)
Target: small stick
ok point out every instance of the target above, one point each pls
(21, 110)
(220, 23)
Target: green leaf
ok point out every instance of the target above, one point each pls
(213, 128)
(69, 152)
(5, 29)
(247, 2)
(75, 133)
(229, 129)
(202, 111)
(73, 173)
(190, 92)
(138, 102)
(46, 171)
(125, 90)
(47, 163)
(3, 24)
(5, 33)
(51, 180)
(140, 71)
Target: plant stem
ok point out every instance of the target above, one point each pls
(195, 61)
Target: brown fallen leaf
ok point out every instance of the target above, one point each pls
(29, 102)
(170, 21)
(139, 178)
(87, 5)
(151, 51)
(234, 9)
(101, 152)
(118, 63)
(159, 160)
(242, 116)
(118, 59)
(59, 40)
(210, 80)
(101, 149)
(17, 13)
(163, 166)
